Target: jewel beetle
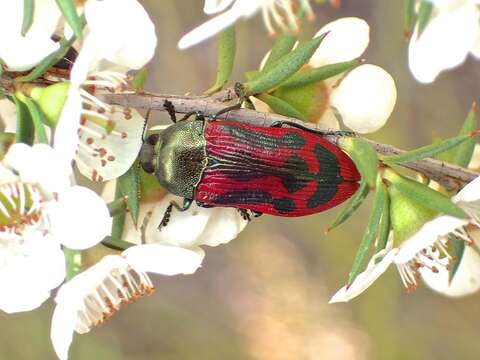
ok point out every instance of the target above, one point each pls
(284, 170)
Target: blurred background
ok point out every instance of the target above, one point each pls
(265, 295)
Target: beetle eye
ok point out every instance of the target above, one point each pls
(152, 139)
(148, 167)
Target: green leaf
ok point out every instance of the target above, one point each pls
(448, 155)
(116, 244)
(138, 82)
(28, 11)
(427, 151)
(48, 62)
(464, 151)
(408, 17)
(321, 73)
(352, 205)
(282, 46)
(364, 156)
(423, 195)
(69, 11)
(424, 15)
(384, 230)
(25, 132)
(73, 260)
(37, 118)
(379, 203)
(129, 185)
(280, 107)
(118, 221)
(284, 68)
(456, 250)
(225, 58)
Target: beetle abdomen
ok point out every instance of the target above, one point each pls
(278, 171)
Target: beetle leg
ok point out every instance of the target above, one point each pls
(168, 211)
(244, 213)
(168, 106)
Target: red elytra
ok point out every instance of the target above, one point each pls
(281, 171)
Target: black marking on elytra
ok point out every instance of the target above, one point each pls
(268, 142)
(327, 186)
(255, 197)
(291, 180)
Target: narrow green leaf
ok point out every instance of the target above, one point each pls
(464, 152)
(37, 118)
(456, 250)
(448, 155)
(352, 205)
(379, 203)
(364, 156)
(138, 82)
(384, 230)
(129, 185)
(69, 11)
(25, 132)
(408, 17)
(225, 58)
(280, 107)
(282, 46)
(284, 68)
(28, 11)
(424, 15)
(318, 74)
(116, 244)
(48, 62)
(118, 221)
(73, 260)
(427, 151)
(423, 195)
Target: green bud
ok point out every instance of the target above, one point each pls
(406, 215)
(51, 99)
(364, 156)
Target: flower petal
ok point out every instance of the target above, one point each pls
(216, 6)
(223, 226)
(347, 40)
(470, 193)
(444, 44)
(218, 23)
(163, 259)
(80, 218)
(108, 151)
(39, 164)
(365, 98)
(466, 280)
(62, 328)
(366, 278)
(428, 235)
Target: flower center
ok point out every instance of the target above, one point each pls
(120, 286)
(20, 205)
(431, 258)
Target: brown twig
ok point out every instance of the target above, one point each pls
(451, 176)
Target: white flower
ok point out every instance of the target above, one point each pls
(20, 52)
(363, 98)
(467, 277)
(283, 13)
(39, 211)
(451, 34)
(95, 295)
(425, 253)
(106, 138)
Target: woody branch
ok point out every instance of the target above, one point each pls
(451, 176)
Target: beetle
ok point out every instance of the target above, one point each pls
(284, 170)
